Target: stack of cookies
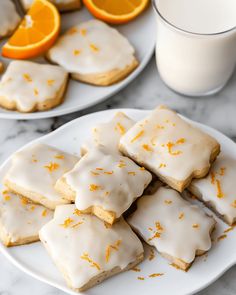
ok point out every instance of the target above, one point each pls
(133, 171)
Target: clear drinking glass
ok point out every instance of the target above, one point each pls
(194, 64)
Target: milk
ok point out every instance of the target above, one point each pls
(196, 44)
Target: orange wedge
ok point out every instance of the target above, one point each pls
(36, 33)
(116, 11)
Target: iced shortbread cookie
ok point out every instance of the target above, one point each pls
(109, 134)
(9, 18)
(218, 189)
(20, 220)
(62, 5)
(177, 229)
(94, 53)
(104, 184)
(86, 250)
(170, 147)
(28, 86)
(34, 172)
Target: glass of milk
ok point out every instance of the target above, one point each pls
(196, 44)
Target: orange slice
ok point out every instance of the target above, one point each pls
(36, 33)
(116, 11)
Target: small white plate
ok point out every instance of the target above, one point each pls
(141, 32)
(34, 260)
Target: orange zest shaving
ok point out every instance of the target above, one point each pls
(72, 31)
(77, 212)
(160, 127)
(67, 222)
(50, 82)
(222, 171)
(168, 202)
(229, 229)
(111, 247)
(44, 213)
(222, 237)
(213, 177)
(76, 52)
(181, 215)
(27, 77)
(94, 187)
(132, 173)
(141, 133)
(154, 275)
(180, 141)
(234, 204)
(6, 197)
(151, 255)
(60, 157)
(219, 190)
(121, 165)
(195, 225)
(157, 232)
(108, 172)
(25, 201)
(52, 166)
(98, 168)
(170, 145)
(36, 92)
(83, 32)
(147, 148)
(141, 278)
(32, 208)
(77, 224)
(86, 257)
(162, 165)
(93, 47)
(121, 128)
(94, 173)
(174, 265)
(136, 269)
(142, 169)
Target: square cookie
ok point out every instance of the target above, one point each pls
(34, 172)
(86, 250)
(62, 5)
(170, 147)
(20, 219)
(108, 134)
(177, 229)
(9, 18)
(218, 190)
(95, 53)
(27, 86)
(104, 184)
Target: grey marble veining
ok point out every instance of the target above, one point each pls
(147, 91)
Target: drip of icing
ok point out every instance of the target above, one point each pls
(9, 18)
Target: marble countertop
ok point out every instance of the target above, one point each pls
(147, 91)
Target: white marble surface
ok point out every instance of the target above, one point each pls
(145, 92)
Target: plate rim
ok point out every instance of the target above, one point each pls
(22, 267)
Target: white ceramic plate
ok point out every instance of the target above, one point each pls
(140, 32)
(34, 260)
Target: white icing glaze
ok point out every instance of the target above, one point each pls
(20, 219)
(110, 181)
(27, 3)
(38, 167)
(109, 134)
(150, 142)
(183, 228)
(218, 188)
(27, 83)
(86, 234)
(9, 18)
(92, 47)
